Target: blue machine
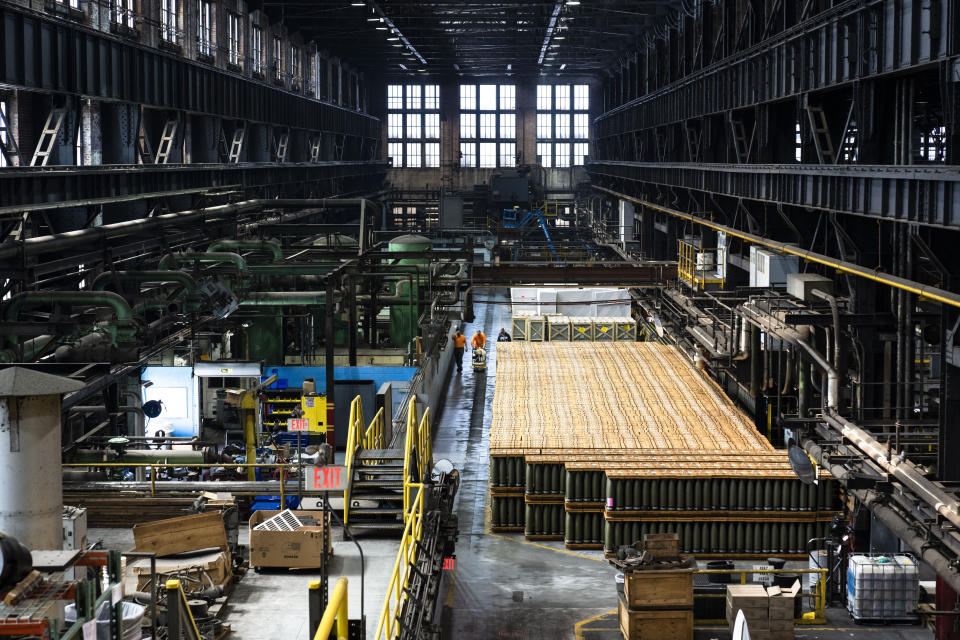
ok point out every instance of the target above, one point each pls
(512, 219)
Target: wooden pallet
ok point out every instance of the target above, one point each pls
(543, 537)
(497, 529)
(583, 507)
(719, 516)
(543, 498)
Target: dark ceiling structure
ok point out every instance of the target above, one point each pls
(477, 37)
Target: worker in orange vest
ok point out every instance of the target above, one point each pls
(459, 342)
(479, 340)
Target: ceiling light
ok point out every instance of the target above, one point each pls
(563, 66)
(357, 3)
(559, 37)
(403, 66)
(373, 19)
(397, 44)
(572, 3)
(509, 66)
(393, 38)
(381, 28)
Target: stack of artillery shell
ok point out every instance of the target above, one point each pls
(600, 443)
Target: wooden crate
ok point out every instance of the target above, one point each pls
(519, 327)
(662, 546)
(536, 329)
(604, 329)
(654, 624)
(558, 329)
(625, 330)
(581, 329)
(659, 588)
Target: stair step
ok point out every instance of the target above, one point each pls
(374, 526)
(381, 454)
(376, 495)
(381, 484)
(359, 511)
(381, 469)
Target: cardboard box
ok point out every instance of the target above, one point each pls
(781, 601)
(753, 600)
(652, 624)
(300, 549)
(656, 589)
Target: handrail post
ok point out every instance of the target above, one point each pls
(315, 604)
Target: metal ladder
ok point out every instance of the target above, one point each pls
(236, 145)
(166, 140)
(48, 137)
(821, 135)
(315, 144)
(740, 145)
(8, 144)
(144, 150)
(282, 144)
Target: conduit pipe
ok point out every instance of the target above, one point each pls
(931, 293)
(59, 241)
(220, 257)
(121, 310)
(900, 526)
(902, 469)
(226, 244)
(141, 277)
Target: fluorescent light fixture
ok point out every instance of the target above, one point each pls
(563, 66)
(381, 28)
(357, 3)
(373, 19)
(393, 38)
(572, 3)
(559, 37)
(397, 44)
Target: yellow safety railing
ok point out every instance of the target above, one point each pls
(691, 263)
(388, 627)
(819, 593)
(417, 454)
(336, 611)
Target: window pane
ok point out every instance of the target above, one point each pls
(581, 97)
(468, 154)
(544, 125)
(544, 97)
(468, 125)
(395, 96)
(413, 96)
(488, 125)
(581, 125)
(432, 150)
(543, 154)
(468, 97)
(508, 97)
(562, 125)
(396, 152)
(431, 125)
(508, 154)
(488, 154)
(508, 126)
(580, 151)
(563, 154)
(431, 96)
(562, 94)
(395, 125)
(413, 154)
(413, 125)
(488, 97)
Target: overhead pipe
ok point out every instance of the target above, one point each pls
(140, 277)
(219, 257)
(226, 244)
(121, 310)
(904, 529)
(85, 237)
(899, 467)
(843, 266)
(284, 298)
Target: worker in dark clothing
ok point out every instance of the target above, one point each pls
(459, 343)
(504, 336)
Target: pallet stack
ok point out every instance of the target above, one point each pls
(657, 598)
(598, 444)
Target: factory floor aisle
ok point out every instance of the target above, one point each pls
(503, 586)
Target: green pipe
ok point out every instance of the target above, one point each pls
(283, 298)
(215, 257)
(271, 246)
(121, 310)
(94, 456)
(140, 277)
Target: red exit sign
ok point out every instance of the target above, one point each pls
(298, 424)
(328, 478)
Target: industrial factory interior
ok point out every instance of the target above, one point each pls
(480, 319)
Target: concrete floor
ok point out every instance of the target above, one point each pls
(502, 586)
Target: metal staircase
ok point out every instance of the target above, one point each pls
(511, 220)
(382, 480)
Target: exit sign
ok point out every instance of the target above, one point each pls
(298, 424)
(327, 478)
